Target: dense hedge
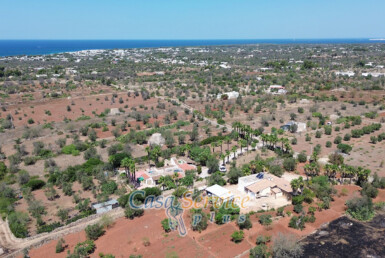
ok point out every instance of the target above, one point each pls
(35, 184)
(49, 227)
(212, 139)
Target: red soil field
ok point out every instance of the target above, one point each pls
(127, 236)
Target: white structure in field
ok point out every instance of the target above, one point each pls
(276, 90)
(347, 73)
(230, 95)
(105, 206)
(225, 65)
(220, 192)
(375, 75)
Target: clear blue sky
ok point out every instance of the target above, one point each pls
(191, 19)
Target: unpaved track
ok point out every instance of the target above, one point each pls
(13, 246)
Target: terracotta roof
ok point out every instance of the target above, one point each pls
(186, 167)
(142, 174)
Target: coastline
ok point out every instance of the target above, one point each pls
(10, 48)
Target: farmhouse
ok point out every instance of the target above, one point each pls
(150, 177)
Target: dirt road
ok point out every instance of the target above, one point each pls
(13, 246)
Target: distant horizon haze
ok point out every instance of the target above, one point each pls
(188, 20)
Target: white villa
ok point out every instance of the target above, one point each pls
(149, 177)
(264, 185)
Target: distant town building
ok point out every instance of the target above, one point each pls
(347, 73)
(230, 95)
(277, 90)
(375, 75)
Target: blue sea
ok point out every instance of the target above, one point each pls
(44, 47)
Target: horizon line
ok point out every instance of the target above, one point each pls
(374, 38)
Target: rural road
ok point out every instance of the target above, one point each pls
(13, 246)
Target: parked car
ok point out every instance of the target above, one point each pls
(222, 169)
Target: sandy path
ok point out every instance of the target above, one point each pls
(16, 245)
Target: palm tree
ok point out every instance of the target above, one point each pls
(350, 171)
(175, 177)
(213, 145)
(301, 183)
(362, 174)
(126, 164)
(243, 144)
(162, 182)
(220, 142)
(156, 152)
(228, 156)
(228, 141)
(308, 171)
(253, 145)
(234, 150)
(274, 140)
(133, 170)
(328, 170)
(148, 150)
(264, 139)
(188, 149)
(223, 157)
(294, 186)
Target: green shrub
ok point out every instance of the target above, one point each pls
(344, 148)
(48, 227)
(59, 246)
(94, 231)
(35, 184)
(70, 150)
(297, 222)
(298, 208)
(360, 208)
(202, 224)
(246, 224)
(109, 187)
(289, 164)
(237, 236)
(84, 249)
(18, 224)
(166, 225)
(302, 157)
(265, 219)
(132, 213)
(369, 190)
(297, 199)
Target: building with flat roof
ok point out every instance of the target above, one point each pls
(220, 192)
(105, 206)
(264, 185)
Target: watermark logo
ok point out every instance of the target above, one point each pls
(175, 219)
(175, 208)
